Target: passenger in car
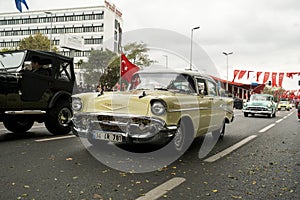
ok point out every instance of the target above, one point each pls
(37, 67)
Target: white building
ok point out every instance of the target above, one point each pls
(72, 28)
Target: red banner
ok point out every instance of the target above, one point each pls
(257, 76)
(266, 77)
(248, 74)
(235, 73)
(242, 73)
(274, 74)
(281, 75)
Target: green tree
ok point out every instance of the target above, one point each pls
(97, 63)
(275, 91)
(136, 53)
(36, 42)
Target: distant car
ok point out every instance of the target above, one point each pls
(27, 97)
(284, 105)
(158, 107)
(238, 103)
(262, 104)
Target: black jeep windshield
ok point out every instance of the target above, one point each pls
(162, 81)
(11, 60)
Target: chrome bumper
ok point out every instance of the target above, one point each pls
(132, 128)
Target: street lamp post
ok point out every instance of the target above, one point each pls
(191, 52)
(227, 54)
(47, 12)
(166, 61)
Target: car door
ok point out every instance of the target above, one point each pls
(204, 101)
(216, 102)
(33, 86)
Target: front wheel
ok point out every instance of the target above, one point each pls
(245, 114)
(184, 136)
(58, 118)
(18, 125)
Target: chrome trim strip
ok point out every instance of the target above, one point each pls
(189, 109)
(26, 112)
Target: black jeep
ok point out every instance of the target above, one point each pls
(27, 97)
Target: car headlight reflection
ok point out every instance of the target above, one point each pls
(158, 108)
(76, 104)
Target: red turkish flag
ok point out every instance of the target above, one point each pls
(242, 73)
(248, 74)
(281, 75)
(235, 73)
(127, 68)
(274, 74)
(266, 77)
(257, 76)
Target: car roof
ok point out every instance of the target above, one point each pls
(43, 54)
(193, 73)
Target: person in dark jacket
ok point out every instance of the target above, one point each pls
(37, 67)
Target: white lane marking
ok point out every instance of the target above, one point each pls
(162, 189)
(280, 120)
(266, 128)
(284, 117)
(230, 149)
(55, 138)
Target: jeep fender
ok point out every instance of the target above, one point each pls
(58, 96)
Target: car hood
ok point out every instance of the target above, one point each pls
(133, 102)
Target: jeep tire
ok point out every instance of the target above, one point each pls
(17, 125)
(58, 117)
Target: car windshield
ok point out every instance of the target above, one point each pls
(284, 102)
(11, 60)
(260, 98)
(163, 81)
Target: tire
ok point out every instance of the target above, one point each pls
(18, 125)
(184, 136)
(58, 118)
(274, 114)
(245, 114)
(219, 133)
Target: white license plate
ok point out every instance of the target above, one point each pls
(108, 136)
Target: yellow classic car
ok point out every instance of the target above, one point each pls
(284, 105)
(158, 107)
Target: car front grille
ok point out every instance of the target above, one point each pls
(255, 108)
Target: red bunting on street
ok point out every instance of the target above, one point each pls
(257, 76)
(242, 73)
(236, 72)
(127, 68)
(274, 74)
(266, 77)
(281, 75)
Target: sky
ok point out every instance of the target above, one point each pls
(264, 35)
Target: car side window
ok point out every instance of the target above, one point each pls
(212, 88)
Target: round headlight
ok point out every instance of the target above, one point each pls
(158, 108)
(76, 104)
(269, 105)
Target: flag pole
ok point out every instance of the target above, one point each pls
(120, 48)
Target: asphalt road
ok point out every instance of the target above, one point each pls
(257, 159)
